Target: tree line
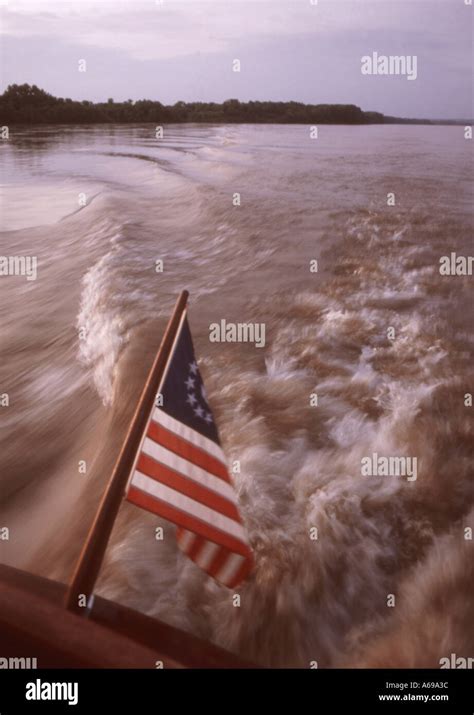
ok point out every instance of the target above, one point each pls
(27, 104)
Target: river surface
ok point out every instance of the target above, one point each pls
(382, 339)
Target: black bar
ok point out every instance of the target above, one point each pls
(318, 691)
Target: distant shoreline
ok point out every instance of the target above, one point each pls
(27, 104)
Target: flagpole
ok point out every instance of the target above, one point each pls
(92, 555)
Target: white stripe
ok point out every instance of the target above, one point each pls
(206, 554)
(190, 506)
(229, 568)
(189, 434)
(198, 475)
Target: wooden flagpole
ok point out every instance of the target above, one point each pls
(92, 555)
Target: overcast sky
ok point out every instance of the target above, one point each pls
(172, 50)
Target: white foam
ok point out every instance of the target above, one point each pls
(100, 323)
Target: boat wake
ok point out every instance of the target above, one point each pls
(368, 356)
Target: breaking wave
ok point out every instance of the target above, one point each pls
(381, 339)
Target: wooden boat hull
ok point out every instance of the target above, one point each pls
(35, 624)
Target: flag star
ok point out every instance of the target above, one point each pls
(198, 411)
(208, 417)
(190, 383)
(191, 399)
(193, 367)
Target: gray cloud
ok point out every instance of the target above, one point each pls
(289, 49)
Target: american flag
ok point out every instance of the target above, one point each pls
(180, 471)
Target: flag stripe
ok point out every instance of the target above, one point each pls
(189, 434)
(176, 481)
(219, 560)
(194, 550)
(239, 574)
(185, 538)
(206, 555)
(187, 513)
(211, 557)
(186, 449)
(229, 568)
(181, 518)
(174, 461)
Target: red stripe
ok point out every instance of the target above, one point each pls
(218, 561)
(180, 533)
(187, 521)
(182, 537)
(181, 483)
(185, 449)
(195, 547)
